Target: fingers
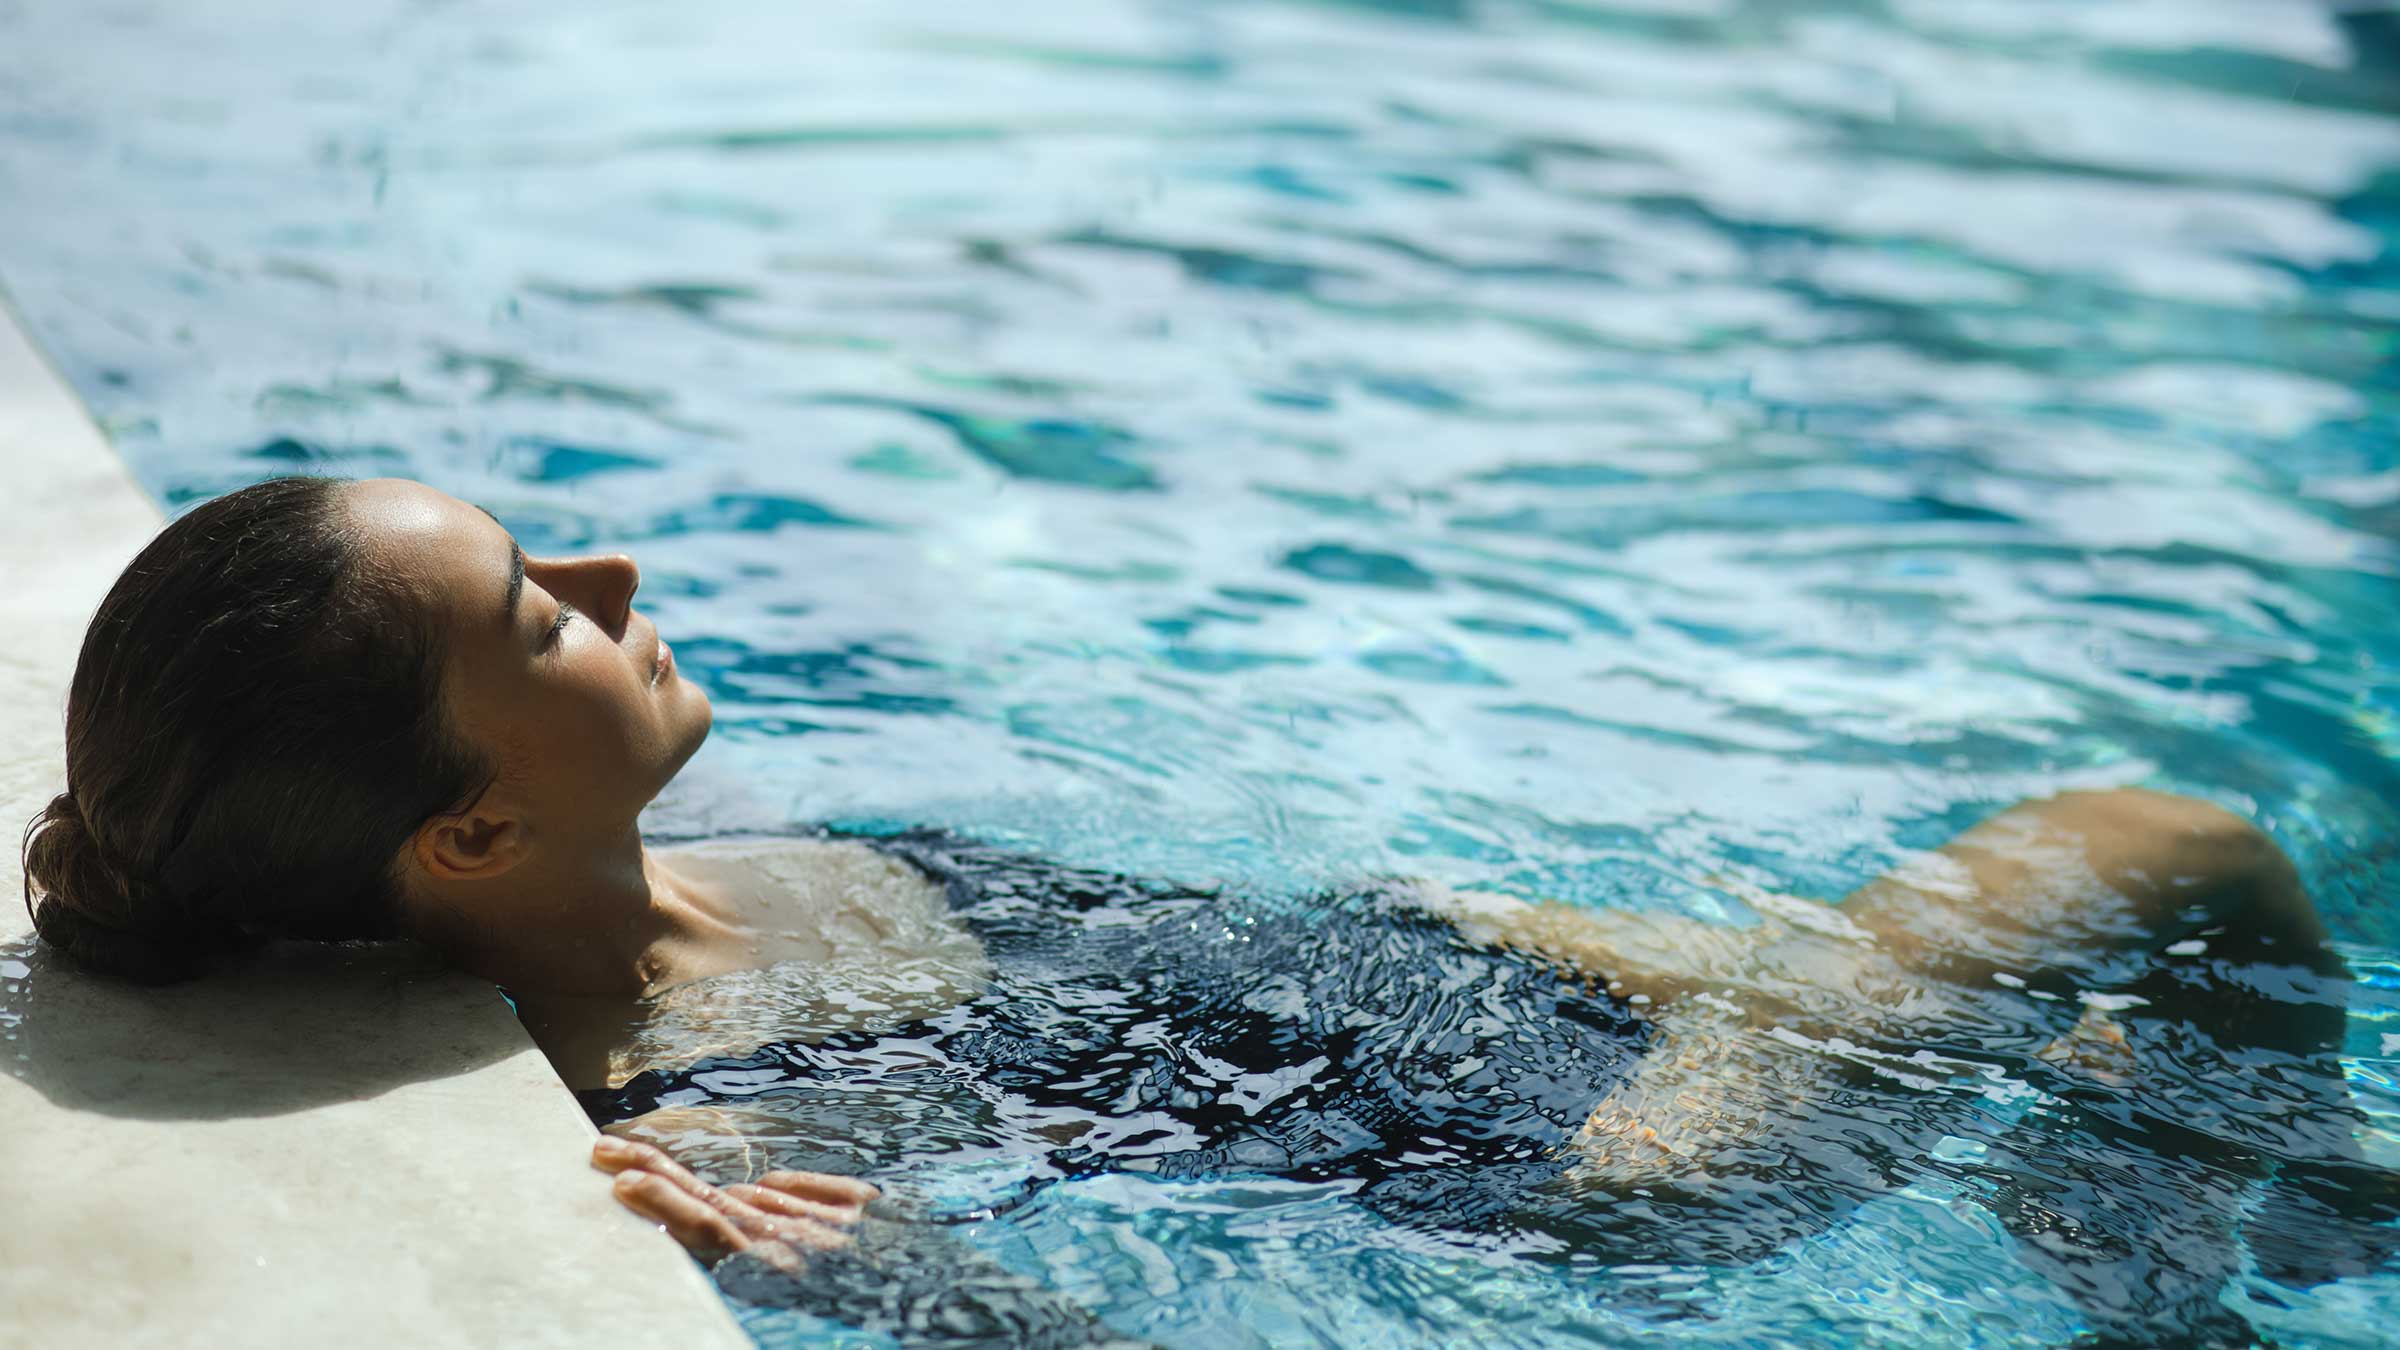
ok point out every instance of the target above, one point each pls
(818, 1231)
(704, 1232)
(792, 1206)
(611, 1154)
(711, 1224)
(821, 1187)
(800, 1213)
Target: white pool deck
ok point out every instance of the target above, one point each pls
(332, 1150)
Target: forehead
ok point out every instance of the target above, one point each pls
(450, 554)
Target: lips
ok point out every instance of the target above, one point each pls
(662, 664)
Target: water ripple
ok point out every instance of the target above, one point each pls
(1586, 446)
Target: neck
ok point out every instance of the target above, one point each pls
(597, 918)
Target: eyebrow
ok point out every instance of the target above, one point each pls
(516, 579)
(516, 569)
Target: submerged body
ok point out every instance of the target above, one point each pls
(1349, 1037)
(1568, 1085)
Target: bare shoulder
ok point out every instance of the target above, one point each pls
(827, 936)
(809, 875)
(839, 855)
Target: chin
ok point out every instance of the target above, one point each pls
(703, 719)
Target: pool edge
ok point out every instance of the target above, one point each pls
(144, 1208)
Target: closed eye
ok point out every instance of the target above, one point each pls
(559, 624)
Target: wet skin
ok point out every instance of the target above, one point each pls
(1812, 1062)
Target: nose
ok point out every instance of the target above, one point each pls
(602, 586)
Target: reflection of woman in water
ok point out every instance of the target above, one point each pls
(329, 710)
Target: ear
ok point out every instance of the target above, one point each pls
(482, 842)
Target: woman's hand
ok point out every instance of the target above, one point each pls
(780, 1219)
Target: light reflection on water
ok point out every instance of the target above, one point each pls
(1587, 447)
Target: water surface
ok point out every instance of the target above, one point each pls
(1594, 449)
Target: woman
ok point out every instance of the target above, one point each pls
(334, 710)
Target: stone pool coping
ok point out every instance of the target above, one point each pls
(342, 1147)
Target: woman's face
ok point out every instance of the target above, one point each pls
(552, 672)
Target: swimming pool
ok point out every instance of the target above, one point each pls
(1594, 449)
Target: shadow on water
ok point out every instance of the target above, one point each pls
(299, 1026)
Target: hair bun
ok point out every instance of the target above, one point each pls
(91, 911)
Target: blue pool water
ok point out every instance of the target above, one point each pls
(1594, 449)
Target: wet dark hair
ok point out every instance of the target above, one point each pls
(254, 731)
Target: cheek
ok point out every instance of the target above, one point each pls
(612, 721)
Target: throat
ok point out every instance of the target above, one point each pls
(599, 923)
(693, 931)
(856, 940)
